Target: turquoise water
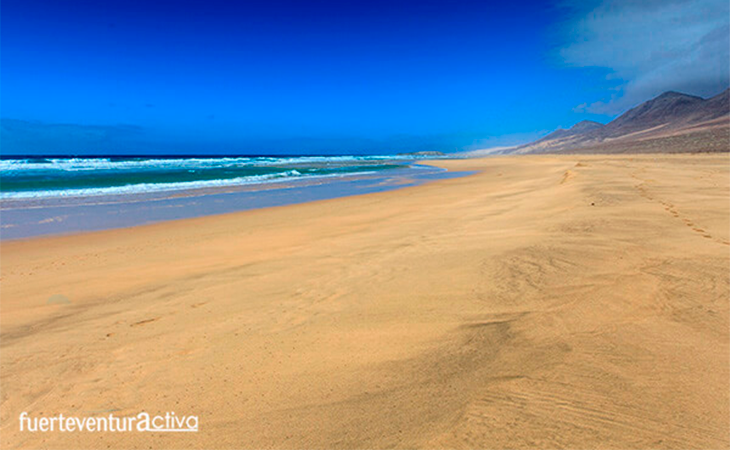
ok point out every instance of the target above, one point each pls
(78, 177)
(42, 196)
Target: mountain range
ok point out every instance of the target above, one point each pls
(671, 122)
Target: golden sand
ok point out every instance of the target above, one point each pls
(548, 302)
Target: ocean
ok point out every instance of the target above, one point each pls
(24, 178)
(52, 195)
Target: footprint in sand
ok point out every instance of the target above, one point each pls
(669, 207)
(567, 176)
(58, 299)
(143, 322)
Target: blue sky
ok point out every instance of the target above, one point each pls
(261, 77)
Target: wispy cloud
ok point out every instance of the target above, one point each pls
(649, 47)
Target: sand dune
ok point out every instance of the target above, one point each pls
(549, 302)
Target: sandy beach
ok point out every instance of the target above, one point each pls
(543, 302)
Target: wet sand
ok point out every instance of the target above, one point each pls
(544, 302)
(33, 217)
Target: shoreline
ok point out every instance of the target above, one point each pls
(26, 219)
(579, 300)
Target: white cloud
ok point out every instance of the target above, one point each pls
(651, 47)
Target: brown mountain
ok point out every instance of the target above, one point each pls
(560, 139)
(581, 127)
(669, 110)
(690, 123)
(719, 105)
